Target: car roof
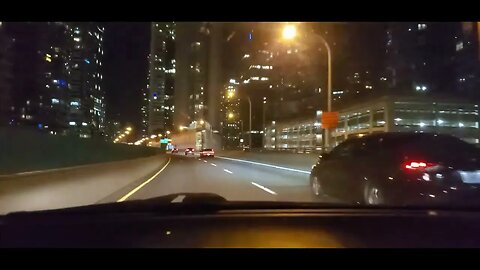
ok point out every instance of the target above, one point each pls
(404, 135)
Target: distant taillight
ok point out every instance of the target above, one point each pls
(417, 165)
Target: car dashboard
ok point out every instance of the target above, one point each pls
(266, 228)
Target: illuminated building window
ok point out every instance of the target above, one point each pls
(422, 26)
(459, 46)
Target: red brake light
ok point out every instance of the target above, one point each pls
(416, 165)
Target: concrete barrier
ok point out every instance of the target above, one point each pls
(23, 150)
(75, 186)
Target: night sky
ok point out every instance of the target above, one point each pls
(126, 46)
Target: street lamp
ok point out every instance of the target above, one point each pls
(129, 128)
(230, 115)
(168, 132)
(202, 122)
(289, 32)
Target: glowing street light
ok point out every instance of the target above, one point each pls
(153, 136)
(289, 32)
(202, 122)
(168, 132)
(230, 115)
(127, 132)
(230, 94)
(129, 128)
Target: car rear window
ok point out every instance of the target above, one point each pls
(435, 146)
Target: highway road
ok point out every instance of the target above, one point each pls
(235, 180)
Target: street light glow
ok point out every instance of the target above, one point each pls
(202, 122)
(230, 115)
(129, 128)
(289, 31)
(230, 94)
(168, 131)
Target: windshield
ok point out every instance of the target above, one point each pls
(340, 113)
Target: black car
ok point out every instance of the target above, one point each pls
(400, 169)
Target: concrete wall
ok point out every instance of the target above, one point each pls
(24, 150)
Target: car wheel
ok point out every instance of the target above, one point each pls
(316, 187)
(373, 195)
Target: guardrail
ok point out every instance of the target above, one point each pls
(75, 186)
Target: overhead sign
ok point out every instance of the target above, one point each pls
(329, 120)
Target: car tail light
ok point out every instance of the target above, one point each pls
(418, 165)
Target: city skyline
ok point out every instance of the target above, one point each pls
(186, 68)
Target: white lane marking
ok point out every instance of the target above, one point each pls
(213, 164)
(266, 165)
(144, 183)
(225, 170)
(205, 161)
(264, 188)
(178, 199)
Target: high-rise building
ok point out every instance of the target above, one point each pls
(230, 116)
(280, 78)
(467, 59)
(57, 69)
(86, 96)
(40, 54)
(144, 113)
(199, 80)
(161, 77)
(419, 57)
(198, 74)
(5, 76)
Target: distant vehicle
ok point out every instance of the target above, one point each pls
(400, 169)
(189, 150)
(207, 152)
(174, 150)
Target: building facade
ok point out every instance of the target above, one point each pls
(230, 116)
(420, 57)
(57, 67)
(386, 114)
(5, 76)
(144, 113)
(86, 101)
(467, 59)
(161, 77)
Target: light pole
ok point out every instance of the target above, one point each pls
(250, 122)
(329, 86)
(264, 130)
(289, 32)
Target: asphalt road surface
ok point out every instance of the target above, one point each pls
(234, 180)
